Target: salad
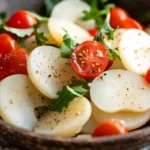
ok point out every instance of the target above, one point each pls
(83, 70)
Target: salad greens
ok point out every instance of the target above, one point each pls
(66, 95)
(68, 46)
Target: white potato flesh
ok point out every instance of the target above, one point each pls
(113, 44)
(90, 126)
(120, 90)
(134, 49)
(18, 98)
(43, 28)
(48, 71)
(117, 64)
(30, 42)
(72, 10)
(67, 123)
(56, 27)
(131, 120)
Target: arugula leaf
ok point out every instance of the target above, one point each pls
(40, 37)
(3, 17)
(97, 13)
(66, 95)
(108, 30)
(39, 18)
(18, 32)
(50, 4)
(68, 46)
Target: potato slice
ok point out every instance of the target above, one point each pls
(73, 11)
(90, 126)
(68, 122)
(131, 120)
(18, 98)
(30, 42)
(56, 27)
(120, 90)
(134, 49)
(48, 71)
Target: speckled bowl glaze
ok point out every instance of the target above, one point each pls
(10, 135)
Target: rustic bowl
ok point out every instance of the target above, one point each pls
(13, 136)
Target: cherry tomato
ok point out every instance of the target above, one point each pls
(93, 32)
(148, 76)
(117, 15)
(13, 63)
(89, 59)
(131, 23)
(6, 44)
(110, 128)
(21, 20)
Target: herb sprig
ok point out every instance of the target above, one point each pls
(109, 31)
(66, 95)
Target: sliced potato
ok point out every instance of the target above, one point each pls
(48, 71)
(30, 42)
(43, 28)
(120, 90)
(90, 126)
(113, 44)
(56, 27)
(18, 98)
(73, 11)
(131, 120)
(134, 49)
(67, 123)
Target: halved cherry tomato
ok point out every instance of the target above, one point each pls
(93, 32)
(117, 15)
(148, 76)
(131, 23)
(89, 59)
(13, 63)
(110, 128)
(21, 20)
(6, 44)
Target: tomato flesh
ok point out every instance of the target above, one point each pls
(89, 59)
(13, 63)
(117, 15)
(21, 20)
(148, 76)
(110, 128)
(131, 23)
(6, 44)
(93, 32)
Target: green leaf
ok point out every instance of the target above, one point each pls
(68, 46)
(39, 36)
(20, 42)
(66, 95)
(50, 5)
(38, 17)
(18, 32)
(108, 30)
(3, 17)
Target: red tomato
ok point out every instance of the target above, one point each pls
(148, 76)
(13, 63)
(110, 128)
(131, 23)
(93, 32)
(89, 59)
(117, 15)
(21, 20)
(6, 44)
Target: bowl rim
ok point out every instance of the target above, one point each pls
(134, 135)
